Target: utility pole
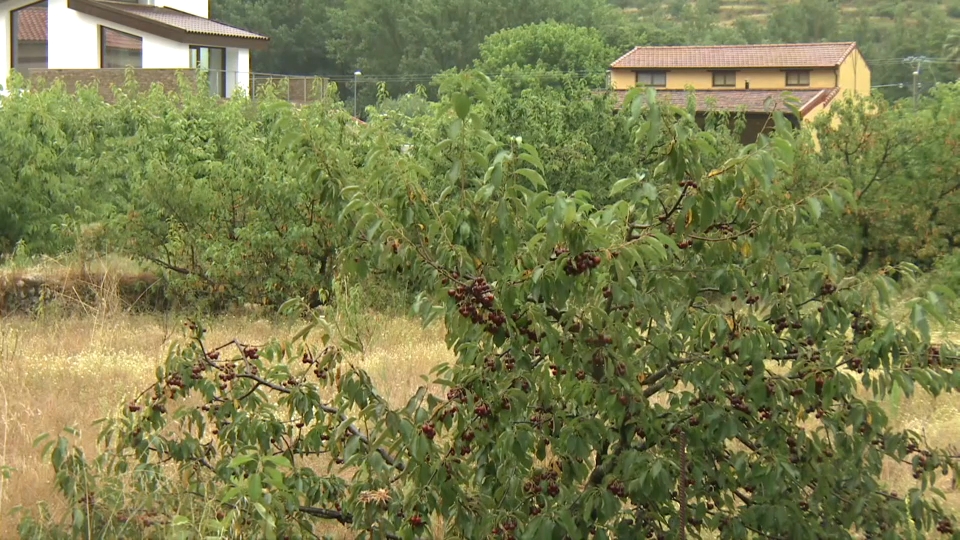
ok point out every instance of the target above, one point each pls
(917, 61)
(355, 75)
(916, 80)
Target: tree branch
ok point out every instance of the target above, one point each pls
(342, 517)
(351, 429)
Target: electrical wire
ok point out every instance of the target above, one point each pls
(397, 77)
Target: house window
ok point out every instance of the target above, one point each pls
(798, 78)
(28, 35)
(652, 78)
(213, 60)
(724, 78)
(120, 49)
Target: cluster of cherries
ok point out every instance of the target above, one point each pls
(581, 263)
(476, 302)
(320, 372)
(541, 479)
(827, 288)
(782, 324)
(506, 529)
(228, 374)
(175, 381)
(617, 488)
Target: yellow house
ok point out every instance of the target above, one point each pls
(753, 79)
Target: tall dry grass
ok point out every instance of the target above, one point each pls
(69, 371)
(62, 372)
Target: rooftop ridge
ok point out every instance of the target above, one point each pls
(742, 45)
(784, 55)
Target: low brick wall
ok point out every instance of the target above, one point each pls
(294, 89)
(108, 78)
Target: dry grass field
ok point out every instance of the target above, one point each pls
(72, 371)
(62, 371)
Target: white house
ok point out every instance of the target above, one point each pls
(116, 34)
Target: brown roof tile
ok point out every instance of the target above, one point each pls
(792, 55)
(185, 21)
(751, 101)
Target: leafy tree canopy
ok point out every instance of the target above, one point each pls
(683, 358)
(554, 50)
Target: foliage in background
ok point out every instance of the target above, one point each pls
(548, 54)
(904, 168)
(406, 43)
(227, 202)
(52, 144)
(216, 196)
(169, 177)
(681, 359)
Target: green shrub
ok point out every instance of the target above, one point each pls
(953, 8)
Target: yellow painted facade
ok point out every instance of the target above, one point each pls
(852, 76)
(759, 79)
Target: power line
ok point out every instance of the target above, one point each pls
(426, 77)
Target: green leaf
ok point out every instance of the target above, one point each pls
(241, 460)
(534, 177)
(623, 184)
(461, 104)
(254, 487)
(816, 209)
(785, 148)
(920, 321)
(532, 158)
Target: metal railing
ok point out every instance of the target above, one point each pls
(293, 88)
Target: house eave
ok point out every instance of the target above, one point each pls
(173, 33)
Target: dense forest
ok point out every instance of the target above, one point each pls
(407, 42)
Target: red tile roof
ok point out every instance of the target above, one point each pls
(121, 40)
(751, 101)
(792, 55)
(32, 26)
(187, 22)
(32, 23)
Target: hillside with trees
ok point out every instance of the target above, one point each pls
(406, 43)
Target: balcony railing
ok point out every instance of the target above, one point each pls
(298, 89)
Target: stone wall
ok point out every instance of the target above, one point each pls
(25, 294)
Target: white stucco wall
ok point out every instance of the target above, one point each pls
(72, 38)
(200, 8)
(75, 42)
(4, 46)
(160, 52)
(238, 71)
